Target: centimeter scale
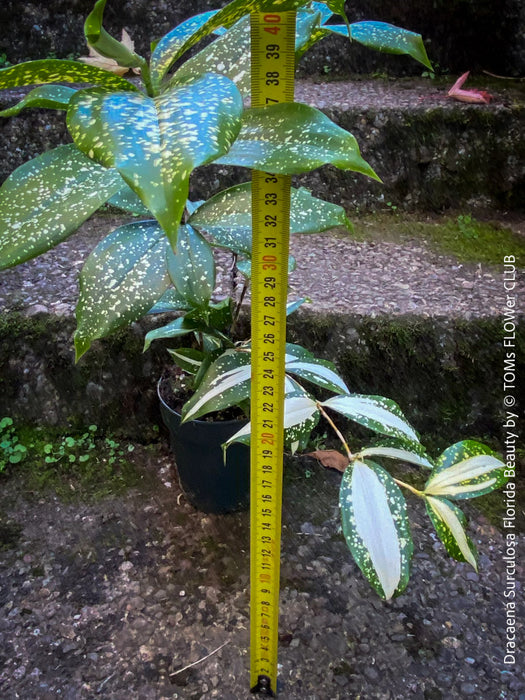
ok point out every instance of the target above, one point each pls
(272, 81)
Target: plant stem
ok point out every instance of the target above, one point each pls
(337, 431)
(410, 488)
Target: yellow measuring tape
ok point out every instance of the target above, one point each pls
(273, 68)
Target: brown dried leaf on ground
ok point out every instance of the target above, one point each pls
(332, 459)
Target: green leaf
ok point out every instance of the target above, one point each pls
(127, 200)
(155, 143)
(376, 527)
(60, 71)
(46, 199)
(292, 138)
(188, 359)
(385, 38)
(104, 43)
(173, 329)
(121, 280)
(300, 418)
(227, 383)
(466, 470)
(450, 524)
(374, 412)
(192, 268)
(397, 453)
(227, 217)
(171, 300)
(166, 50)
(228, 15)
(319, 372)
(43, 97)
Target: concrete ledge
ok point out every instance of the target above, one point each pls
(431, 152)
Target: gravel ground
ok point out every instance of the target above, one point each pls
(115, 598)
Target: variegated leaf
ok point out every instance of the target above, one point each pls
(171, 300)
(300, 418)
(374, 412)
(376, 527)
(166, 50)
(188, 359)
(43, 97)
(466, 470)
(174, 329)
(46, 199)
(386, 38)
(227, 383)
(319, 372)
(227, 217)
(121, 280)
(397, 453)
(292, 138)
(127, 200)
(192, 268)
(450, 524)
(51, 70)
(155, 143)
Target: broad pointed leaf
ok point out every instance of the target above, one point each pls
(166, 50)
(466, 470)
(376, 527)
(397, 453)
(227, 217)
(450, 524)
(292, 138)
(104, 43)
(174, 329)
(155, 143)
(385, 38)
(46, 199)
(374, 412)
(319, 372)
(192, 268)
(171, 300)
(43, 97)
(227, 383)
(120, 281)
(188, 359)
(127, 200)
(51, 70)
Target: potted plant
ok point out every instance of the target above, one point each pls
(136, 147)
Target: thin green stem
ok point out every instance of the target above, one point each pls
(410, 488)
(337, 432)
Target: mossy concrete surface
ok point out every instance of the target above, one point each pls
(445, 373)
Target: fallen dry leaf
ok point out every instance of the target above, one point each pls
(332, 459)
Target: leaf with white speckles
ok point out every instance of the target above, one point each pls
(192, 268)
(450, 524)
(121, 280)
(166, 50)
(466, 470)
(127, 200)
(292, 138)
(319, 372)
(376, 526)
(227, 217)
(51, 70)
(43, 97)
(374, 412)
(397, 453)
(155, 143)
(171, 300)
(386, 38)
(46, 199)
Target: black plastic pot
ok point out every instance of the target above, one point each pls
(210, 484)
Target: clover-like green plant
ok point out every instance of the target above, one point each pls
(135, 146)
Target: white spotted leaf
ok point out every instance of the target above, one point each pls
(400, 454)
(43, 97)
(466, 470)
(51, 70)
(192, 268)
(122, 278)
(46, 199)
(155, 143)
(450, 523)
(227, 217)
(292, 138)
(376, 526)
(376, 413)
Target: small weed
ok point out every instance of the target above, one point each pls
(11, 450)
(4, 63)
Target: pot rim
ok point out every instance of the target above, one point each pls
(231, 421)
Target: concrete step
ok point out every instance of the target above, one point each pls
(398, 317)
(431, 152)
